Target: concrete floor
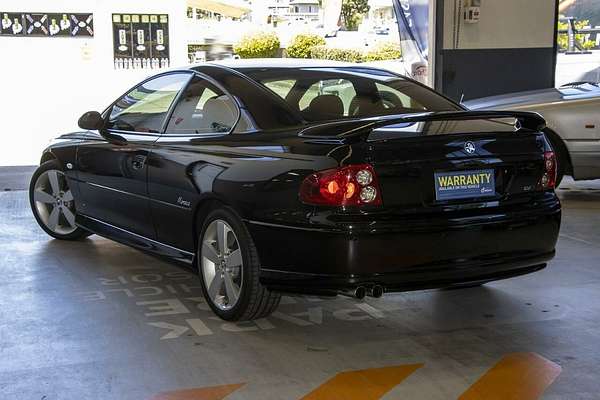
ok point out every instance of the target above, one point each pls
(98, 320)
(15, 178)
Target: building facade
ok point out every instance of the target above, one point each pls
(74, 64)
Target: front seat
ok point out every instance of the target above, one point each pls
(184, 118)
(324, 107)
(364, 106)
(219, 114)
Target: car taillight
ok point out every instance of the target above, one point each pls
(548, 180)
(351, 185)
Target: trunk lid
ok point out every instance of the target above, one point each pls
(412, 152)
(443, 164)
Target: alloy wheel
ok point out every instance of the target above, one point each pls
(54, 202)
(221, 264)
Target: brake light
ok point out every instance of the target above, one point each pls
(351, 185)
(548, 180)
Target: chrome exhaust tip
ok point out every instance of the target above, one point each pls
(358, 292)
(377, 291)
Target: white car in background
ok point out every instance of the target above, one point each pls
(572, 114)
(326, 32)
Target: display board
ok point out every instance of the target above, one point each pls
(19, 24)
(140, 41)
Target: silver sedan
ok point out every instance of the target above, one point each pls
(572, 113)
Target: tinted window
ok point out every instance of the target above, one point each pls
(265, 109)
(281, 87)
(203, 108)
(340, 88)
(337, 93)
(392, 96)
(144, 108)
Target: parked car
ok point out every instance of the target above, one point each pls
(572, 114)
(381, 30)
(328, 32)
(267, 178)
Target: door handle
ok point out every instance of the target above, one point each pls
(138, 162)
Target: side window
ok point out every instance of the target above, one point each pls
(395, 99)
(203, 108)
(281, 87)
(144, 109)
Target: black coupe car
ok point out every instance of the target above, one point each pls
(311, 177)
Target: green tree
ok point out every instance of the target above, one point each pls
(352, 11)
(563, 38)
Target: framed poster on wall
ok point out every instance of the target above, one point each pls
(159, 28)
(12, 24)
(140, 41)
(46, 24)
(37, 24)
(122, 49)
(59, 24)
(140, 26)
(82, 24)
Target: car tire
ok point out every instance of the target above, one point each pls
(52, 202)
(220, 275)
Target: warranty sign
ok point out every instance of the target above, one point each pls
(464, 184)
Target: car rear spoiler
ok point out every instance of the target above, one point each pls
(351, 128)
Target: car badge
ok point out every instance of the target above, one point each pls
(469, 147)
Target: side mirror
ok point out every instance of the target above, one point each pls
(91, 120)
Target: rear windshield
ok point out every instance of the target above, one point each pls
(320, 94)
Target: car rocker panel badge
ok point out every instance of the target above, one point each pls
(184, 203)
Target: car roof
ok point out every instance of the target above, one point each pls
(246, 66)
(276, 63)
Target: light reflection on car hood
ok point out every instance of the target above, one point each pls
(541, 96)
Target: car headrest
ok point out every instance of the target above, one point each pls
(325, 106)
(365, 106)
(219, 111)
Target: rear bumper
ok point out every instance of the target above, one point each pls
(408, 254)
(406, 279)
(586, 165)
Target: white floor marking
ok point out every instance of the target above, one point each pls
(199, 327)
(164, 307)
(575, 238)
(175, 330)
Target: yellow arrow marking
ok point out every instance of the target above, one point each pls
(208, 393)
(518, 376)
(368, 384)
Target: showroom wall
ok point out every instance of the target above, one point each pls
(510, 49)
(48, 82)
